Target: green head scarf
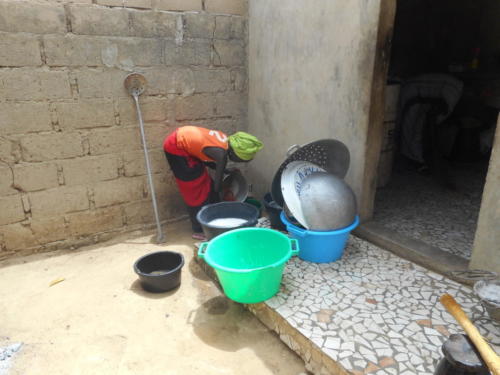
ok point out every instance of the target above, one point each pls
(245, 145)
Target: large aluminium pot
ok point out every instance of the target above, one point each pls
(327, 202)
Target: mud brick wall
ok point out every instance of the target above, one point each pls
(71, 162)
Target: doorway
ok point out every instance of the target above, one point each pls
(441, 108)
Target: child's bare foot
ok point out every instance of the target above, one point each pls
(199, 236)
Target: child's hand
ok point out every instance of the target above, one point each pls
(228, 196)
(231, 170)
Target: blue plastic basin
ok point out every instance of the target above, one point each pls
(320, 246)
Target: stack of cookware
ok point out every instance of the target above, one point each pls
(320, 208)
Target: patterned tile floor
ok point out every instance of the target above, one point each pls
(373, 312)
(416, 206)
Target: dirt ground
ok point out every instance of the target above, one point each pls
(100, 321)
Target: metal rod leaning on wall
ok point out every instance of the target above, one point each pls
(135, 84)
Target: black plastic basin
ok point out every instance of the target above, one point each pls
(160, 271)
(225, 210)
(273, 210)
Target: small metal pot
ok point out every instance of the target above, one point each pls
(234, 187)
(491, 303)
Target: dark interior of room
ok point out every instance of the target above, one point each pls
(445, 67)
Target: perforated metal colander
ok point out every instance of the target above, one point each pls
(330, 154)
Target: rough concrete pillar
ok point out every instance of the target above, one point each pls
(486, 253)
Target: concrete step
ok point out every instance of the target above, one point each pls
(417, 251)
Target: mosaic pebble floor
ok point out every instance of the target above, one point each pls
(373, 312)
(416, 206)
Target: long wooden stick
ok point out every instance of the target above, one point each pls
(489, 356)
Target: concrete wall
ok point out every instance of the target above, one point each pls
(71, 163)
(310, 77)
(486, 254)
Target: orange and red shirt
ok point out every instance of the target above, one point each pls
(194, 139)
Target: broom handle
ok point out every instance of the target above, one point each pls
(489, 356)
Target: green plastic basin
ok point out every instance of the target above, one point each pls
(249, 262)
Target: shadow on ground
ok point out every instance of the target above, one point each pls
(196, 270)
(137, 288)
(228, 326)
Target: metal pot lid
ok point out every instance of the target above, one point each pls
(330, 154)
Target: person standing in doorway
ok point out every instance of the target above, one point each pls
(189, 149)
